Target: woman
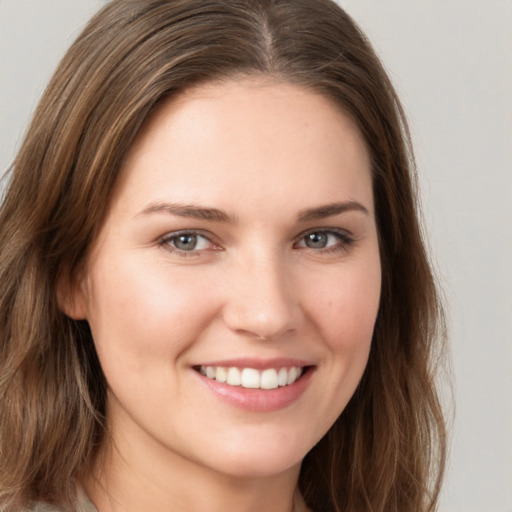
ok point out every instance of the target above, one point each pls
(215, 291)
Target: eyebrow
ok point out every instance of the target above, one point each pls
(329, 210)
(216, 215)
(189, 210)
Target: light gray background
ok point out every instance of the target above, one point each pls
(451, 61)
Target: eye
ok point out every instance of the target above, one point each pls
(186, 242)
(325, 240)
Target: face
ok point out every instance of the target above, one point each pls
(234, 285)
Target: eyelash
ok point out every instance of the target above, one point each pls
(166, 242)
(344, 243)
(345, 240)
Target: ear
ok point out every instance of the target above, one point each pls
(71, 294)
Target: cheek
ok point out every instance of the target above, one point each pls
(141, 313)
(343, 309)
(346, 306)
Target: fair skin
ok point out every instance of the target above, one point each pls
(241, 240)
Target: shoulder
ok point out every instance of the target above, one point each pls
(45, 507)
(48, 507)
(83, 504)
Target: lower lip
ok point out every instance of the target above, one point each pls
(259, 400)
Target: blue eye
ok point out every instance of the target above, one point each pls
(316, 240)
(325, 239)
(186, 241)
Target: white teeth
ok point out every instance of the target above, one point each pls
(271, 378)
(221, 374)
(268, 379)
(234, 377)
(282, 378)
(250, 378)
(292, 375)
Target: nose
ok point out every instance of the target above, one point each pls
(261, 302)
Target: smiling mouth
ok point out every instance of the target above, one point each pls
(251, 378)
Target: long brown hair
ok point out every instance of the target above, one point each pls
(386, 451)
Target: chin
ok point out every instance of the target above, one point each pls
(259, 457)
(258, 468)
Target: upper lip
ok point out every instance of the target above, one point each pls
(258, 364)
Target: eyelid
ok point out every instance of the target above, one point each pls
(337, 231)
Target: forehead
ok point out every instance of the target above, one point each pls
(250, 138)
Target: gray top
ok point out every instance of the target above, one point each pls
(83, 504)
